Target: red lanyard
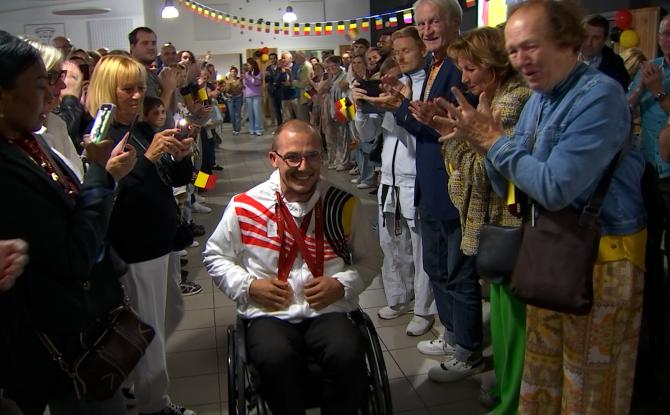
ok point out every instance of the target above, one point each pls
(286, 222)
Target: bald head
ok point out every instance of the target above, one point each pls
(291, 129)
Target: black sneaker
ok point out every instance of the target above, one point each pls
(172, 409)
(196, 230)
(190, 288)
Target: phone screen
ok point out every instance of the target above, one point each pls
(103, 119)
(371, 87)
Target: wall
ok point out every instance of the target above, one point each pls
(186, 30)
(76, 27)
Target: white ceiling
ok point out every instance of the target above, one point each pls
(117, 7)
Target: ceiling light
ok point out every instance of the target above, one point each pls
(169, 11)
(289, 16)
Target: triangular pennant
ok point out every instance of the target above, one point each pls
(379, 23)
(340, 27)
(306, 29)
(318, 29)
(296, 29)
(365, 24)
(407, 16)
(353, 25)
(328, 29)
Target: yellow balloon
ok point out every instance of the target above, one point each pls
(629, 39)
(265, 57)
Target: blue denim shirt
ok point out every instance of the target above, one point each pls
(652, 120)
(580, 126)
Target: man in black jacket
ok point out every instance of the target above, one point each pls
(601, 57)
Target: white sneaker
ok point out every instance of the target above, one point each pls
(419, 325)
(364, 185)
(355, 180)
(453, 370)
(181, 252)
(195, 244)
(197, 207)
(200, 199)
(389, 313)
(437, 347)
(354, 171)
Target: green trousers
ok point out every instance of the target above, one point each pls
(508, 335)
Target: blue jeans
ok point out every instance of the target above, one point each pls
(255, 112)
(235, 110)
(366, 167)
(455, 284)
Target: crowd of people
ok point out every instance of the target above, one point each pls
(449, 131)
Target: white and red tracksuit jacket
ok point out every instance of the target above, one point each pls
(245, 246)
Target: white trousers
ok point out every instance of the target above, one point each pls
(146, 286)
(402, 271)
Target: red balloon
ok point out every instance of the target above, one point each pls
(265, 50)
(623, 19)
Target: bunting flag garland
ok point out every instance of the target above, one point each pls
(470, 3)
(379, 23)
(407, 17)
(391, 19)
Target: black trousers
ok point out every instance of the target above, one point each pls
(278, 349)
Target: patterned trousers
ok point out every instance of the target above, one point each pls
(585, 364)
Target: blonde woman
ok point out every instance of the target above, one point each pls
(486, 70)
(144, 220)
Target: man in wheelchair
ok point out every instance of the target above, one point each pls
(281, 253)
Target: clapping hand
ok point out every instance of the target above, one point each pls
(480, 126)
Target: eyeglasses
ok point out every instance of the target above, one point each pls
(295, 159)
(54, 76)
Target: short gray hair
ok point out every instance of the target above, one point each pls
(450, 8)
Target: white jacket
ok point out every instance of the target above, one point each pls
(245, 246)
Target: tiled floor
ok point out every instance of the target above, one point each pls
(197, 351)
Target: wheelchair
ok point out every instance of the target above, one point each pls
(243, 381)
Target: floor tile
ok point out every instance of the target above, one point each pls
(225, 316)
(434, 394)
(372, 298)
(195, 390)
(394, 337)
(411, 362)
(200, 301)
(221, 299)
(189, 340)
(464, 407)
(392, 369)
(196, 319)
(403, 396)
(194, 363)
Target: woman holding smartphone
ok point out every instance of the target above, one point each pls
(253, 82)
(144, 219)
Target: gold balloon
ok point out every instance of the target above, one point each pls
(629, 39)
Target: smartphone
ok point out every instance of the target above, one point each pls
(183, 125)
(125, 139)
(103, 120)
(371, 87)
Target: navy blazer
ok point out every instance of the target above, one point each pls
(430, 194)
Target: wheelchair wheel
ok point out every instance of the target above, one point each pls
(236, 400)
(379, 392)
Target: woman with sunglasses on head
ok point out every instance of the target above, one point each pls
(71, 279)
(54, 128)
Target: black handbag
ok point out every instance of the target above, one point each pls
(498, 249)
(111, 349)
(554, 267)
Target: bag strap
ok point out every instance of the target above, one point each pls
(594, 205)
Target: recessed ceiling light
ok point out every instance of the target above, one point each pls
(86, 11)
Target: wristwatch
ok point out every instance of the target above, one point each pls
(661, 96)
